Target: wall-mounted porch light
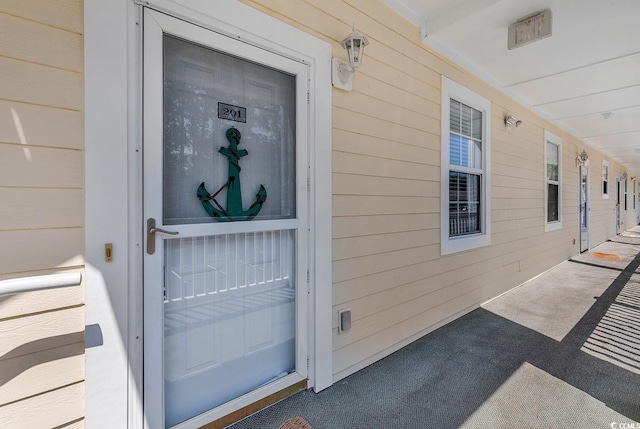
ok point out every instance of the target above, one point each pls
(343, 71)
(511, 121)
(582, 158)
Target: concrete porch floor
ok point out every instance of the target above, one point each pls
(562, 350)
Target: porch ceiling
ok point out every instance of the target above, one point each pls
(585, 77)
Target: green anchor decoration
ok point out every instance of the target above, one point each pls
(234, 211)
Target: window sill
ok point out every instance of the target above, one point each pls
(460, 244)
(552, 226)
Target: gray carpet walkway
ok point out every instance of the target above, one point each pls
(562, 350)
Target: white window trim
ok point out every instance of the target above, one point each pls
(555, 225)
(451, 89)
(605, 195)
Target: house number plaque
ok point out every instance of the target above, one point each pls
(232, 113)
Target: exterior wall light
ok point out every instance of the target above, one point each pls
(343, 71)
(511, 121)
(582, 158)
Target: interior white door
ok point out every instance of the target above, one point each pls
(225, 201)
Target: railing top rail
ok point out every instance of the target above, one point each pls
(34, 283)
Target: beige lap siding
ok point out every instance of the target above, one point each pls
(386, 184)
(41, 211)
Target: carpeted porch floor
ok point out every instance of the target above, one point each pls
(562, 350)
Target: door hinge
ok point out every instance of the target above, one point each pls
(308, 276)
(308, 363)
(308, 96)
(308, 184)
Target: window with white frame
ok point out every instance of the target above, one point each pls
(605, 179)
(553, 181)
(466, 163)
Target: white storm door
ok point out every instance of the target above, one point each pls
(225, 208)
(618, 196)
(584, 208)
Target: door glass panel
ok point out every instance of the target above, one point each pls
(202, 84)
(229, 299)
(583, 199)
(584, 209)
(229, 313)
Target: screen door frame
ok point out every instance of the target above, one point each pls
(155, 26)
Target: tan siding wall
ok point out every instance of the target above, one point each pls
(42, 211)
(386, 184)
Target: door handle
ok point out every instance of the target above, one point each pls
(151, 235)
(164, 231)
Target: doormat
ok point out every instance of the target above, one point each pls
(607, 256)
(295, 423)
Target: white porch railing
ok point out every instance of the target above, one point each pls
(463, 225)
(34, 283)
(205, 266)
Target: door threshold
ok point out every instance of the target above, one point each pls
(247, 410)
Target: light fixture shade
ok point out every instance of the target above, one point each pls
(584, 156)
(511, 121)
(354, 43)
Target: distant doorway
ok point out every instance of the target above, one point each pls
(618, 193)
(584, 208)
